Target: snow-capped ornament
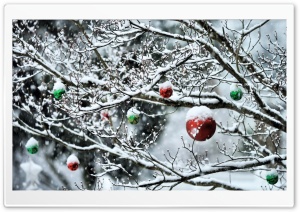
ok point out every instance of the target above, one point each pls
(32, 146)
(58, 90)
(166, 89)
(72, 162)
(200, 124)
(236, 93)
(133, 115)
(272, 177)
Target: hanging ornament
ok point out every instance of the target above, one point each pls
(166, 89)
(200, 124)
(272, 177)
(58, 90)
(104, 115)
(32, 146)
(72, 162)
(133, 115)
(236, 93)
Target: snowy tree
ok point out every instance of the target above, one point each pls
(159, 104)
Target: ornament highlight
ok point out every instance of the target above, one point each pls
(72, 162)
(272, 177)
(166, 89)
(200, 124)
(236, 93)
(133, 115)
(32, 146)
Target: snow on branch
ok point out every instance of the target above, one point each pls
(118, 91)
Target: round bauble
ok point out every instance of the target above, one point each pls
(272, 177)
(58, 90)
(32, 146)
(133, 115)
(166, 89)
(236, 93)
(200, 124)
(72, 162)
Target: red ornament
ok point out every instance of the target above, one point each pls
(200, 124)
(104, 115)
(166, 90)
(73, 166)
(72, 163)
(200, 130)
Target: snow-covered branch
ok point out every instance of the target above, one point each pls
(156, 105)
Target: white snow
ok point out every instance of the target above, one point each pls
(272, 172)
(133, 111)
(42, 87)
(32, 87)
(165, 85)
(31, 142)
(87, 79)
(72, 159)
(147, 57)
(59, 85)
(200, 113)
(17, 98)
(234, 87)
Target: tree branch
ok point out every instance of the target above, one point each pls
(77, 23)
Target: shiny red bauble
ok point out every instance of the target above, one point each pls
(72, 162)
(166, 89)
(201, 130)
(166, 92)
(73, 166)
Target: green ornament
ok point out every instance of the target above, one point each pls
(58, 94)
(133, 116)
(32, 146)
(33, 149)
(272, 178)
(236, 93)
(133, 119)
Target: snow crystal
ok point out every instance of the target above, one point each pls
(32, 171)
(200, 113)
(42, 87)
(59, 85)
(133, 111)
(54, 114)
(31, 142)
(32, 87)
(72, 159)
(194, 132)
(165, 85)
